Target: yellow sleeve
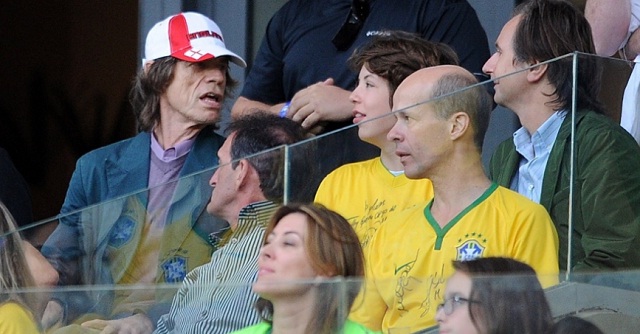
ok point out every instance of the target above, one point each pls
(537, 244)
(15, 319)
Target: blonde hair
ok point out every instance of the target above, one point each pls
(14, 270)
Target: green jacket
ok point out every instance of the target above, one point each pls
(350, 327)
(606, 206)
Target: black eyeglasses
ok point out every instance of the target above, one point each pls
(352, 25)
(449, 305)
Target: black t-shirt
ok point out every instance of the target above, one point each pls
(297, 50)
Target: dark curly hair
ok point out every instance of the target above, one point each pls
(394, 55)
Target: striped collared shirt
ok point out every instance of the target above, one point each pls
(217, 297)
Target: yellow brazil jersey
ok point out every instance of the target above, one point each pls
(17, 319)
(409, 259)
(368, 195)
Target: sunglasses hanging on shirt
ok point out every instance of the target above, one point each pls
(352, 25)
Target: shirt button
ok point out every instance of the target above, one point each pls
(531, 187)
(234, 240)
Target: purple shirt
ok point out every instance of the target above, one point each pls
(165, 167)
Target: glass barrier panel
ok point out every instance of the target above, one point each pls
(313, 159)
(134, 252)
(599, 168)
(159, 235)
(407, 241)
(156, 235)
(366, 193)
(494, 298)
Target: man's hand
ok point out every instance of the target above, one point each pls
(320, 103)
(135, 324)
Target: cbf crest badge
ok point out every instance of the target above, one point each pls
(469, 250)
(175, 269)
(122, 232)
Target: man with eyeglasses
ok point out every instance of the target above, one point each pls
(301, 71)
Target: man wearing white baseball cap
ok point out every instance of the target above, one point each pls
(189, 36)
(158, 235)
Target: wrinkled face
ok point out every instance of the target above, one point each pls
(502, 62)
(371, 109)
(420, 136)
(223, 182)
(459, 321)
(196, 93)
(283, 259)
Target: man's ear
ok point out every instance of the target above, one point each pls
(242, 172)
(147, 66)
(536, 72)
(459, 123)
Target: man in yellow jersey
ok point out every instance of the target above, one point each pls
(410, 257)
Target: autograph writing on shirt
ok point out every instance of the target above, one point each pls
(431, 287)
(375, 214)
(404, 282)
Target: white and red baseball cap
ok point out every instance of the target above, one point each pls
(187, 36)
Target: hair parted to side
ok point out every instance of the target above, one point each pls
(457, 92)
(334, 250)
(256, 136)
(14, 271)
(396, 54)
(509, 296)
(148, 86)
(551, 29)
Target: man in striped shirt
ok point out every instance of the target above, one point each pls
(216, 297)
